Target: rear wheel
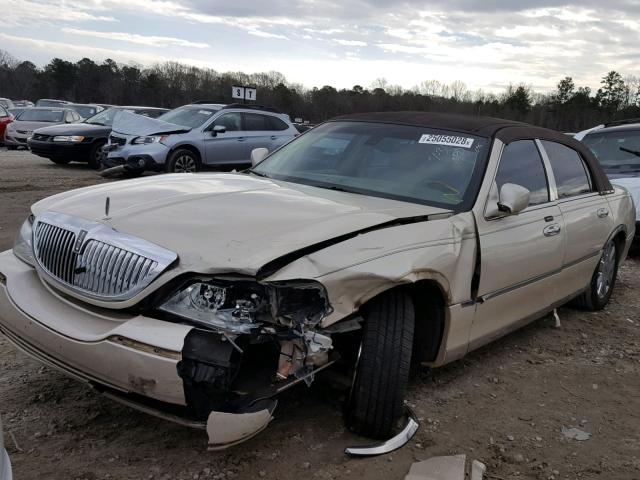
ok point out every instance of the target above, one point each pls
(96, 155)
(183, 161)
(603, 280)
(383, 366)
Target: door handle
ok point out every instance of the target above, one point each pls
(273, 137)
(551, 230)
(241, 139)
(602, 212)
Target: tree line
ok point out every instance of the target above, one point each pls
(171, 84)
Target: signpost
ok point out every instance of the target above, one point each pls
(243, 93)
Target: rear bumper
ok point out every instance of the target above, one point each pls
(131, 355)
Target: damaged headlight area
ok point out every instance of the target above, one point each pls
(253, 339)
(239, 306)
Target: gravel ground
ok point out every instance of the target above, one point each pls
(505, 404)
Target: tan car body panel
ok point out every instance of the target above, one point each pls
(234, 223)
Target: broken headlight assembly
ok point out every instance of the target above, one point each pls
(238, 306)
(23, 247)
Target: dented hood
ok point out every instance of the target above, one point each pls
(228, 222)
(129, 123)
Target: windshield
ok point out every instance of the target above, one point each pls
(188, 116)
(104, 118)
(84, 112)
(616, 150)
(415, 164)
(38, 115)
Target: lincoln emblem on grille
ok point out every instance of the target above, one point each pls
(80, 240)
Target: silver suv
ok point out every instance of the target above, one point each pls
(196, 135)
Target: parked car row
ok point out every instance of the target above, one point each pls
(83, 141)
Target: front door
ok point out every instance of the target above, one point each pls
(521, 255)
(229, 147)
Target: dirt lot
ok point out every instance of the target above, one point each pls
(504, 405)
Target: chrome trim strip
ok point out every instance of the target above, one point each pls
(108, 265)
(392, 444)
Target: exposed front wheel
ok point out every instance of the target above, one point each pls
(603, 280)
(382, 369)
(183, 161)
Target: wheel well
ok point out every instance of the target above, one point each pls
(620, 238)
(191, 148)
(428, 302)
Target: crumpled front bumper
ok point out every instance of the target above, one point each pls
(129, 358)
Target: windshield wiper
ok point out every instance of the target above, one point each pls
(628, 150)
(264, 175)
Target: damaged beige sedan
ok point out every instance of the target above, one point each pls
(369, 243)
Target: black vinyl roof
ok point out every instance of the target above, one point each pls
(484, 126)
(505, 130)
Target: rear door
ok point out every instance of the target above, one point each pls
(520, 255)
(588, 221)
(257, 128)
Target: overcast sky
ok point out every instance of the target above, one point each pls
(485, 43)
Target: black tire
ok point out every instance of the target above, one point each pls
(594, 298)
(382, 371)
(183, 161)
(60, 161)
(12, 147)
(96, 155)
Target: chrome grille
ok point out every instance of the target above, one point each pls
(41, 137)
(95, 260)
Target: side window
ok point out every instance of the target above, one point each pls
(3, 112)
(254, 122)
(231, 121)
(521, 164)
(68, 117)
(569, 170)
(276, 124)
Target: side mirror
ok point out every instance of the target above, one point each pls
(258, 154)
(513, 198)
(218, 129)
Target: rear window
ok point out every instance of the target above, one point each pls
(37, 115)
(85, 112)
(616, 151)
(569, 170)
(190, 117)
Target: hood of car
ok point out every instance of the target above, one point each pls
(85, 129)
(228, 222)
(29, 126)
(632, 184)
(129, 123)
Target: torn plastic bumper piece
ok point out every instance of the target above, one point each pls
(228, 429)
(392, 444)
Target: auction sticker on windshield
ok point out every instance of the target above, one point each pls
(448, 140)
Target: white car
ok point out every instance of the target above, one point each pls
(617, 146)
(5, 464)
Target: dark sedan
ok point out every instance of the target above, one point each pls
(81, 142)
